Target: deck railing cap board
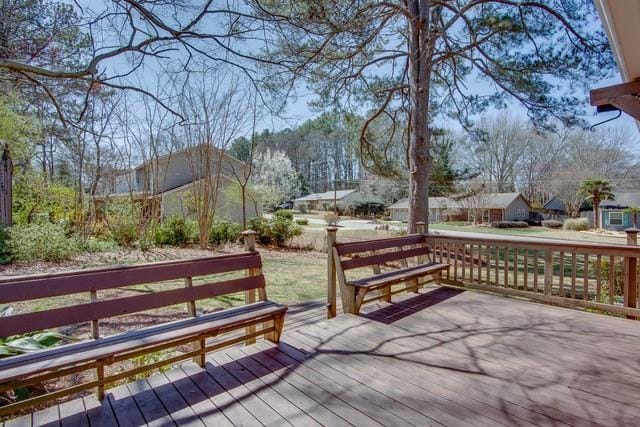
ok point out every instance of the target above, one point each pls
(376, 244)
(26, 288)
(544, 244)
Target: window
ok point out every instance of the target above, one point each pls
(520, 213)
(615, 218)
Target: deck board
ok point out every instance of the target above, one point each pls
(441, 357)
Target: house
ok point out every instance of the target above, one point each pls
(171, 180)
(493, 207)
(555, 208)
(615, 214)
(343, 198)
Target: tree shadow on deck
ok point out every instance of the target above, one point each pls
(408, 306)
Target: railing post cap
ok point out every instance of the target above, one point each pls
(248, 232)
(332, 228)
(420, 223)
(632, 230)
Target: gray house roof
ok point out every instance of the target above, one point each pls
(327, 195)
(622, 200)
(490, 201)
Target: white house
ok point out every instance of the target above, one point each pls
(493, 207)
(170, 180)
(343, 198)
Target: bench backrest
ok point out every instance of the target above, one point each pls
(27, 288)
(363, 253)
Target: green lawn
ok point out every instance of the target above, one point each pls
(487, 230)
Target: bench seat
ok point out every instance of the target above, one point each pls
(210, 324)
(398, 276)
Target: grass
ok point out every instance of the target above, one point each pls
(486, 230)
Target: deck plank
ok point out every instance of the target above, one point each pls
(232, 409)
(206, 410)
(181, 413)
(314, 391)
(279, 404)
(124, 407)
(48, 417)
(73, 414)
(100, 414)
(243, 394)
(152, 409)
(296, 396)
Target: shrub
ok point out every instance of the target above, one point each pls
(576, 224)
(552, 223)
(302, 221)
(509, 224)
(277, 230)
(41, 242)
(122, 222)
(284, 214)
(177, 231)
(224, 232)
(5, 251)
(94, 245)
(303, 208)
(331, 218)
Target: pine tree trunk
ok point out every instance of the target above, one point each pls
(420, 54)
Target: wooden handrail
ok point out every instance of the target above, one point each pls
(573, 273)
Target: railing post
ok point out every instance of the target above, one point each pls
(249, 237)
(631, 273)
(420, 227)
(548, 272)
(331, 273)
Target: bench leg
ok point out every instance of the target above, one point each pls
(362, 292)
(278, 324)
(100, 378)
(202, 357)
(387, 293)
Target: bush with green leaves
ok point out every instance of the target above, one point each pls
(122, 221)
(509, 224)
(276, 231)
(302, 221)
(92, 245)
(5, 250)
(285, 214)
(576, 224)
(552, 223)
(224, 232)
(177, 231)
(42, 242)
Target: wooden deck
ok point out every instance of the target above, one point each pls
(444, 357)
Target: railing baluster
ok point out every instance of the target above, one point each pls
(488, 265)
(464, 261)
(497, 266)
(573, 275)
(515, 268)
(506, 267)
(525, 270)
(612, 282)
(598, 278)
(561, 272)
(471, 263)
(448, 260)
(585, 279)
(535, 271)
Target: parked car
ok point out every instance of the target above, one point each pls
(535, 218)
(286, 205)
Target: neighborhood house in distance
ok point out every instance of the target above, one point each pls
(169, 181)
(323, 201)
(493, 206)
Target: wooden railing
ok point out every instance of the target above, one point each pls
(567, 273)
(597, 276)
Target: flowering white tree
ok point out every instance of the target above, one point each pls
(275, 177)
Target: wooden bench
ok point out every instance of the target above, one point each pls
(376, 253)
(261, 318)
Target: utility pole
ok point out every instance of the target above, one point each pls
(6, 187)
